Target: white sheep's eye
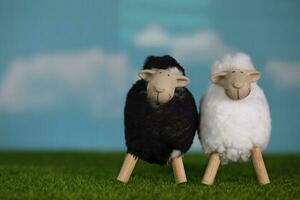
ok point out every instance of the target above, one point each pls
(168, 74)
(233, 72)
(160, 72)
(242, 72)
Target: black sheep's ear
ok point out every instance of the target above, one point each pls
(146, 74)
(218, 78)
(182, 81)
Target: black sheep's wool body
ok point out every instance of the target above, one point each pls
(153, 132)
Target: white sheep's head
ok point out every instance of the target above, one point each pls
(162, 84)
(236, 82)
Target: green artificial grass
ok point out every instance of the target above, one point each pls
(93, 176)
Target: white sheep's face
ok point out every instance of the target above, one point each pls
(236, 83)
(162, 84)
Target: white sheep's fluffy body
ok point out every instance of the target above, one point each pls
(234, 127)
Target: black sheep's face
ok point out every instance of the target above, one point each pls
(162, 84)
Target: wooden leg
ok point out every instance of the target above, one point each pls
(259, 166)
(178, 170)
(127, 168)
(211, 169)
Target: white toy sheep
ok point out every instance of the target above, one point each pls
(235, 117)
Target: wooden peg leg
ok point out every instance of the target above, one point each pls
(178, 170)
(211, 169)
(127, 168)
(259, 166)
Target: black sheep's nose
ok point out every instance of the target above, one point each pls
(159, 90)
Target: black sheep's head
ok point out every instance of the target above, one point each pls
(162, 83)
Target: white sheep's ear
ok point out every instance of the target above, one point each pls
(218, 78)
(182, 81)
(146, 74)
(254, 75)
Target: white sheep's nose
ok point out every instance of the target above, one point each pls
(157, 89)
(237, 84)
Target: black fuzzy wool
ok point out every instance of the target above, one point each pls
(153, 132)
(162, 62)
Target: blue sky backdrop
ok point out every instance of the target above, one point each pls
(65, 66)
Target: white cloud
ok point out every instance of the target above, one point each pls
(202, 46)
(92, 79)
(152, 37)
(285, 74)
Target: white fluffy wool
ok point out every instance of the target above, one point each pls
(236, 61)
(234, 127)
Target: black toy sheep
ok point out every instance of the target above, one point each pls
(160, 117)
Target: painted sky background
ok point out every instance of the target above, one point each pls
(65, 66)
